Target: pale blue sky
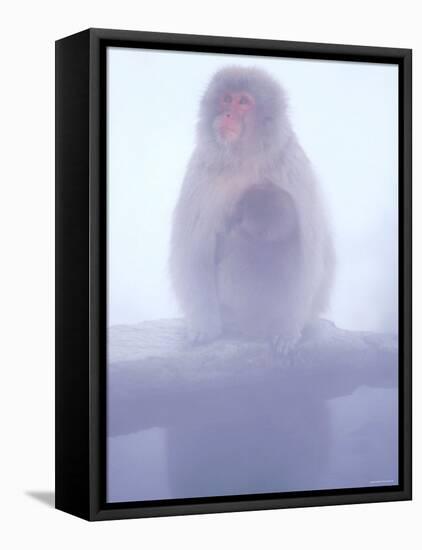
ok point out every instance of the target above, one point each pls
(345, 116)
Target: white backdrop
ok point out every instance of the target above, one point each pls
(27, 276)
(346, 117)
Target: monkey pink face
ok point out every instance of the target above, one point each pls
(234, 108)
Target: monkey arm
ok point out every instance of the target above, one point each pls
(193, 271)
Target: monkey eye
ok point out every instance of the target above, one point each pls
(244, 100)
(227, 98)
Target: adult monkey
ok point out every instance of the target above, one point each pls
(251, 251)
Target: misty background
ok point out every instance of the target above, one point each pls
(346, 117)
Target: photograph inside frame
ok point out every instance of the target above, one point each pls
(252, 275)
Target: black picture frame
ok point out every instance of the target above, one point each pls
(81, 272)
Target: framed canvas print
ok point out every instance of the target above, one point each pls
(233, 322)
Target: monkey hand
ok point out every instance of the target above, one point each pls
(284, 344)
(204, 330)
